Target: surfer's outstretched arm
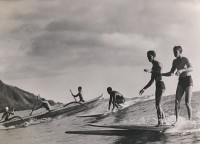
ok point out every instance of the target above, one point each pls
(171, 72)
(74, 95)
(167, 74)
(78, 94)
(157, 71)
(148, 85)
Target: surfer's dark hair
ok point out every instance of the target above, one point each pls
(151, 52)
(80, 87)
(179, 48)
(109, 89)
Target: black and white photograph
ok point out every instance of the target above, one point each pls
(99, 71)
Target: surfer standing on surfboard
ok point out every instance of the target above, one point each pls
(183, 67)
(116, 98)
(160, 86)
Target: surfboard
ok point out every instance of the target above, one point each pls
(92, 115)
(162, 128)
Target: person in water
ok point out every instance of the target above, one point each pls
(185, 83)
(116, 98)
(160, 86)
(79, 94)
(6, 114)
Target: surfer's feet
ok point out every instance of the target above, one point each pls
(159, 123)
(163, 122)
(81, 101)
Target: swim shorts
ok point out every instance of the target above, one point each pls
(120, 99)
(160, 85)
(185, 82)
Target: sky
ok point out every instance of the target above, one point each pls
(50, 46)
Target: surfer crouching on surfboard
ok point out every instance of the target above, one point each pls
(116, 98)
(160, 86)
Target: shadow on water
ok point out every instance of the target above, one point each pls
(156, 137)
(125, 136)
(141, 137)
(126, 133)
(104, 132)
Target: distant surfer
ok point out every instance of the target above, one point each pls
(116, 98)
(160, 86)
(183, 67)
(79, 94)
(44, 103)
(6, 115)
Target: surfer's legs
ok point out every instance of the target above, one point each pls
(119, 101)
(188, 96)
(179, 94)
(160, 112)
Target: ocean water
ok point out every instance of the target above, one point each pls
(52, 131)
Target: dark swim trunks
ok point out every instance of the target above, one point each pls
(160, 85)
(120, 99)
(185, 82)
